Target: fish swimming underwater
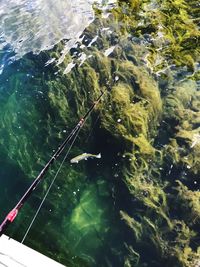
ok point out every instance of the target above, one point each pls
(84, 156)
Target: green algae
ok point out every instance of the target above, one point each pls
(136, 110)
(132, 112)
(132, 259)
(181, 107)
(187, 131)
(17, 147)
(174, 33)
(190, 201)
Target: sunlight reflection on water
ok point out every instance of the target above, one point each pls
(33, 26)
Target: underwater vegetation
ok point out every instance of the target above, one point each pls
(169, 28)
(140, 204)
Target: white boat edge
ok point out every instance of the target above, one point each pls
(16, 254)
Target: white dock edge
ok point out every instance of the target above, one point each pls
(15, 254)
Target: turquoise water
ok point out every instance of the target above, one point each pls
(52, 64)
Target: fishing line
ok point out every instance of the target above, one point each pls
(14, 212)
(49, 188)
(40, 206)
(53, 181)
(93, 127)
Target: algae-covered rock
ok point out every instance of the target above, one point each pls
(190, 203)
(186, 131)
(134, 106)
(88, 225)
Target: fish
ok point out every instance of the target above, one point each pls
(84, 156)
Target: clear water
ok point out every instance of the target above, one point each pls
(78, 220)
(46, 54)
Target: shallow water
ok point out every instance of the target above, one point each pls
(117, 210)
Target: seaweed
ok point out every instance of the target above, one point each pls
(153, 187)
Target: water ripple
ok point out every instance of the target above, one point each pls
(33, 26)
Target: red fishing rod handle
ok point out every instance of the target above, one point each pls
(8, 220)
(13, 213)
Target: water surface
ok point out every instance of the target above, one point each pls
(118, 210)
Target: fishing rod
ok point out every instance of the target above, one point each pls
(13, 213)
